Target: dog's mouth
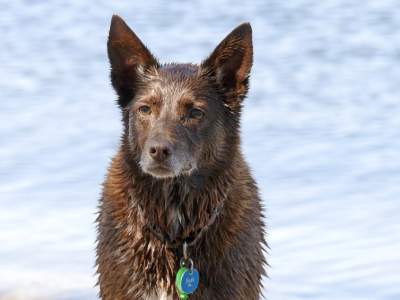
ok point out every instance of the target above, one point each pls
(160, 170)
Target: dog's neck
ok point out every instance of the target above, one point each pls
(178, 206)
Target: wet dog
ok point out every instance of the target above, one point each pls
(179, 177)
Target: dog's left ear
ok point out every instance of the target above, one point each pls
(231, 63)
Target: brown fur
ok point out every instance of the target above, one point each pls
(133, 263)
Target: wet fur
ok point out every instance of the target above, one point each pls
(132, 262)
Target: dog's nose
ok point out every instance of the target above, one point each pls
(160, 152)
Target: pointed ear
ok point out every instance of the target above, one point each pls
(231, 62)
(128, 57)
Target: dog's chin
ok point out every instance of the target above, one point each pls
(159, 171)
(163, 172)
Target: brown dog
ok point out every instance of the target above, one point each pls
(179, 176)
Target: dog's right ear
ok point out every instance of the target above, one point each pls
(128, 58)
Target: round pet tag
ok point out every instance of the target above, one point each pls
(187, 280)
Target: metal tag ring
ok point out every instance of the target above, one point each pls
(187, 263)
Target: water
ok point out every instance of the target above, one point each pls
(320, 131)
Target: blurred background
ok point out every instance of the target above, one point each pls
(321, 131)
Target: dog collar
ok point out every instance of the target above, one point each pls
(187, 277)
(192, 238)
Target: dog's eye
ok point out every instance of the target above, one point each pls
(144, 109)
(196, 113)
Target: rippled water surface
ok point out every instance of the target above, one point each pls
(321, 131)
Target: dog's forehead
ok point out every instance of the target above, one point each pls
(179, 71)
(172, 82)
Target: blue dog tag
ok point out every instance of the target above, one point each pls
(187, 281)
(190, 281)
(187, 278)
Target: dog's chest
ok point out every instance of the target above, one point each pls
(175, 222)
(161, 295)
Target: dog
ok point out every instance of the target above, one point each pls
(178, 191)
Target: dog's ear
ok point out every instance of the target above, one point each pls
(231, 63)
(128, 58)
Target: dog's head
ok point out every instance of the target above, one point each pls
(180, 118)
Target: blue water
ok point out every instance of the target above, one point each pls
(321, 131)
